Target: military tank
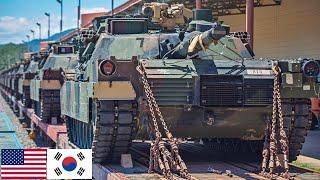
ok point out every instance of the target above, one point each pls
(13, 85)
(30, 70)
(54, 69)
(3, 78)
(6, 76)
(204, 79)
(17, 76)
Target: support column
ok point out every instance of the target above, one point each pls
(20, 113)
(32, 126)
(250, 20)
(32, 133)
(198, 4)
(14, 105)
(41, 134)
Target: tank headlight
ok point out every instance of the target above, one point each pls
(311, 68)
(148, 11)
(107, 68)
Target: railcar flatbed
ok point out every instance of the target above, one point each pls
(199, 160)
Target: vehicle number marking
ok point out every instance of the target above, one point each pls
(259, 72)
(141, 41)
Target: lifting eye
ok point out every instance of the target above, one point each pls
(311, 68)
(107, 68)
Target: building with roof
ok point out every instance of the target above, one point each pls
(289, 30)
(87, 18)
(280, 28)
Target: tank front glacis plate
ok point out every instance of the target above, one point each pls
(65, 61)
(33, 67)
(243, 123)
(177, 86)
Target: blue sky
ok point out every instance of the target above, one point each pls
(18, 17)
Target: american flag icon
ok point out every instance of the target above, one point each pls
(23, 164)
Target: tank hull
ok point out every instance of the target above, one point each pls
(242, 123)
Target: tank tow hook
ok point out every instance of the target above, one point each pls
(275, 138)
(167, 160)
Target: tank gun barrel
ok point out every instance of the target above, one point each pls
(199, 41)
(204, 40)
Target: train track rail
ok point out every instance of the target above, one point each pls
(205, 164)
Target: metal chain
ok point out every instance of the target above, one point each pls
(273, 148)
(283, 136)
(160, 157)
(270, 149)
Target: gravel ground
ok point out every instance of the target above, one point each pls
(21, 132)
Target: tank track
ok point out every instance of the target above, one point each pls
(26, 97)
(50, 104)
(296, 124)
(297, 121)
(111, 131)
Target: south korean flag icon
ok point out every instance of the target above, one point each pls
(69, 164)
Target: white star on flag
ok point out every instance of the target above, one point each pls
(69, 164)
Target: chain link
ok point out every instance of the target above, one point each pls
(160, 156)
(270, 149)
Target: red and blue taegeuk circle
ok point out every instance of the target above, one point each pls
(69, 163)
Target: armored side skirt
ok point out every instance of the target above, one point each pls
(75, 96)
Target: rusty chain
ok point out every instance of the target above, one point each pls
(160, 156)
(270, 149)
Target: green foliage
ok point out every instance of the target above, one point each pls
(11, 53)
(308, 166)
